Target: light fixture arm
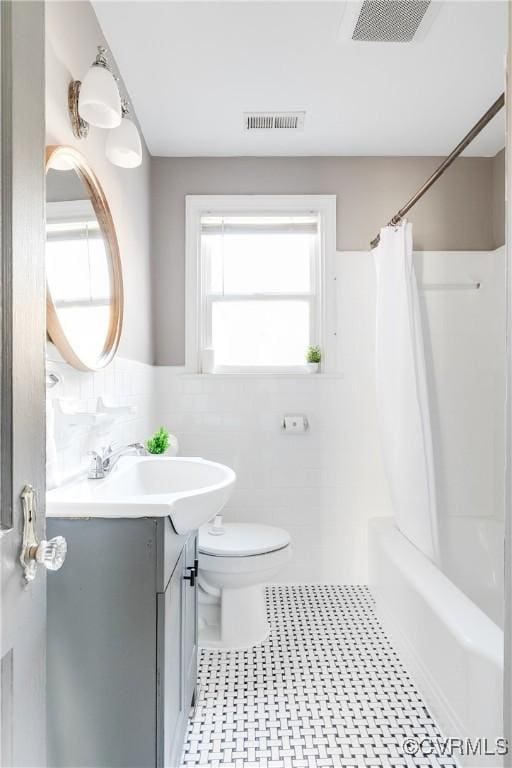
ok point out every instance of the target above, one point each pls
(101, 59)
(79, 126)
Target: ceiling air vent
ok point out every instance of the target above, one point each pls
(270, 121)
(388, 21)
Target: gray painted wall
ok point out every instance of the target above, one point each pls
(464, 211)
(72, 34)
(498, 200)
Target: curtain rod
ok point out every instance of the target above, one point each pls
(473, 133)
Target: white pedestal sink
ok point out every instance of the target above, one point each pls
(188, 490)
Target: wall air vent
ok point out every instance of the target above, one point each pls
(271, 121)
(388, 21)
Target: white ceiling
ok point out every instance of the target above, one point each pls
(193, 68)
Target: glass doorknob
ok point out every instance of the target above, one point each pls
(51, 553)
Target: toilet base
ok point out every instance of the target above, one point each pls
(236, 621)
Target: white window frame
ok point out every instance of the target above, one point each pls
(323, 319)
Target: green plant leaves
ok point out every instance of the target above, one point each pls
(159, 442)
(313, 354)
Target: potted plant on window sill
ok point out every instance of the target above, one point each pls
(313, 358)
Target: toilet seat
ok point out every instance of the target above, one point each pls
(242, 540)
(251, 567)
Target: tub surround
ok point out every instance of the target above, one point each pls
(472, 555)
(452, 648)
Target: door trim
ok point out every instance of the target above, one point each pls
(507, 671)
(6, 275)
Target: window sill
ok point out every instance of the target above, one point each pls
(261, 375)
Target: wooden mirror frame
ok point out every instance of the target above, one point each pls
(106, 223)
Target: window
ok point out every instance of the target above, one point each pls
(259, 284)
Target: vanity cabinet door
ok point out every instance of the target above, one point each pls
(190, 622)
(176, 655)
(170, 679)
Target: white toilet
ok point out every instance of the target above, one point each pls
(235, 561)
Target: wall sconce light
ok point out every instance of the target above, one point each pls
(123, 145)
(99, 102)
(96, 101)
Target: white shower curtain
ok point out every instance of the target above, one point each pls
(402, 395)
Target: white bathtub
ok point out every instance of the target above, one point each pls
(445, 625)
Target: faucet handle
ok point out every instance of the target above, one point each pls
(96, 471)
(140, 448)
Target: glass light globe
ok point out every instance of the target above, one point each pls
(99, 101)
(123, 145)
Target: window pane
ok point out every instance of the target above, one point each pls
(78, 269)
(260, 332)
(259, 263)
(80, 282)
(86, 328)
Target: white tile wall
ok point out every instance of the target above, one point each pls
(122, 383)
(322, 485)
(465, 348)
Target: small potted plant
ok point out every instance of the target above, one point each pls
(159, 442)
(313, 358)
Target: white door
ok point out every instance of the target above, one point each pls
(22, 335)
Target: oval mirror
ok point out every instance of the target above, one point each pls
(83, 268)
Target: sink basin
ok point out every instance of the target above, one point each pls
(188, 490)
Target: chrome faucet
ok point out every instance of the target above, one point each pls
(103, 463)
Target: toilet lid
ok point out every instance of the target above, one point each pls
(242, 539)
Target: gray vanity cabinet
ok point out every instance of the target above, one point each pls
(122, 644)
(176, 682)
(190, 625)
